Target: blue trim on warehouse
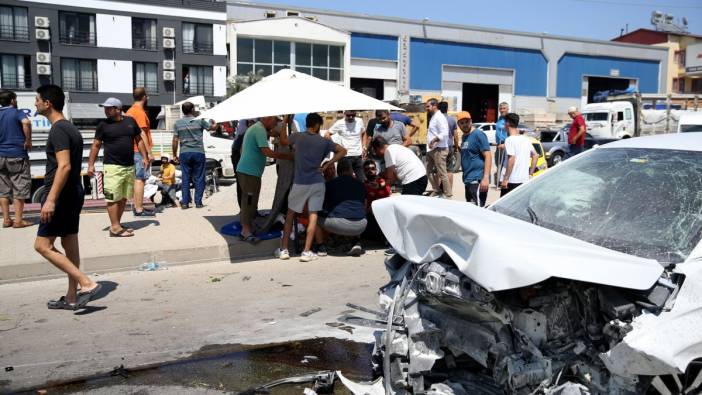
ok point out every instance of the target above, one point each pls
(572, 68)
(373, 46)
(428, 56)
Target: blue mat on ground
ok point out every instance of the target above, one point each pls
(234, 229)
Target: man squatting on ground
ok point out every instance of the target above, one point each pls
(61, 207)
(117, 135)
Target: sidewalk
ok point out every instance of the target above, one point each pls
(173, 237)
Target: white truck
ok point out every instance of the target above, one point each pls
(40, 135)
(635, 115)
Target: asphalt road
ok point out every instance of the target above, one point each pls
(147, 318)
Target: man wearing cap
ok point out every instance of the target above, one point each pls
(188, 133)
(117, 134)
(476, 160)
(576, 135)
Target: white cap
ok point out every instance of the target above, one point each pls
(112, 102)
(572, 109)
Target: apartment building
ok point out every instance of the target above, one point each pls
(101, 48)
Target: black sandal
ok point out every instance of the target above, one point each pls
(84, 297)
(121, 233)
(252, 239)
(60, 304)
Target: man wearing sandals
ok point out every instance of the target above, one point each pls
(117, 135)
(61, 207)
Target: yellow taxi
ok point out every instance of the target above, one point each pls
(541, 164)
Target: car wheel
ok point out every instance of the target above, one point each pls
(38, 195)
(556, 158)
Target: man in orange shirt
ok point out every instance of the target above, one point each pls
(138, 112)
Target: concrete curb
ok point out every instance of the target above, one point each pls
(234, 251)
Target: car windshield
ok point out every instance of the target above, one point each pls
(596, 116)
(641, 202)
(538, 149)
(690, 128)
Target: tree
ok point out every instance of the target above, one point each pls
(238, 83)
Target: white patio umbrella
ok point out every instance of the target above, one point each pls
(291, 92)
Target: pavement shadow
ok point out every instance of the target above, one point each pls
(140, 224)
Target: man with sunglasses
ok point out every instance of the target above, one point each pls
(352, 134)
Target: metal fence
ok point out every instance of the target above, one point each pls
(84, 84)
(17, 33)
(199, 88)
(198, 47)
(77, 38)
(146, 44)
(13, 81)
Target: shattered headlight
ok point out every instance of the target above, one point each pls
(440, 279)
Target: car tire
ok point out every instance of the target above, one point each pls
(38, 195)
(556, 158)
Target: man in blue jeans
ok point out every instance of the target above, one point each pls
(188, 132)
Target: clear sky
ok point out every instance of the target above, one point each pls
(598, 19)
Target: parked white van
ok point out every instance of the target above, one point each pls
(690, 122)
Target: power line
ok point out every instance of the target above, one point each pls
(614, 2)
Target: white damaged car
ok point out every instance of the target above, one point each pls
(586, 280)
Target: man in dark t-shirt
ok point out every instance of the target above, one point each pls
(117, 134)
(61, 206)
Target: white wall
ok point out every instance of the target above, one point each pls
(390, 90)
(114, 76)
(113, 31)
(219, 77)
(219, 39)
(374, 69)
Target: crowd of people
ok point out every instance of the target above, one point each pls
(336, 174)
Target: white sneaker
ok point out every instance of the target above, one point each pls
(356, 250)
(281, 254)
(308, 256)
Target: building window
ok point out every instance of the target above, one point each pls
(321, 61)
(197, 80)
(146, 75)
(696, 85)
(679, 58)
(79, 75)
(14, 72)
(266, 56)
(678, 85)
(76, 28)
(144, 34)
(197, 38)
(13, 24)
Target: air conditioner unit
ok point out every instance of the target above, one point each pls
(42, 34)
(169, 65)
(41, 21)
(169, 75)
(43, 69)
(168, 43)
(168, 32)
(43, 57)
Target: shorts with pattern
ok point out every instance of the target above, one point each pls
(15, 178)
(312, 194)
(118, 182)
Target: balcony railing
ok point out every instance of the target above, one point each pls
(12, 81)
(77, 38)
(146, 44)
(200, 88)
(14, 33)
(150, 86)
(85, 84)
(198, 47)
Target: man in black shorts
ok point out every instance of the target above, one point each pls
(61, 207)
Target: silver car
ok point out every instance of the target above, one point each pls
(585, 280)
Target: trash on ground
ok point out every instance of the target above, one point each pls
(214, 279)
(311, 311)
(323, 383)
(152, 266)
(246, 278)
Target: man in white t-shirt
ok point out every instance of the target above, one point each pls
(437, 150)
(401, 164)
(351, 135)
(520, 158)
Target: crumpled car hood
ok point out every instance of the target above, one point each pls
(500, 252)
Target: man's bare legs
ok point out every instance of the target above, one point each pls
(115, 210)
(287, 229)
(68, 263)
(5, 205)
(311, 229)
(139, 196)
